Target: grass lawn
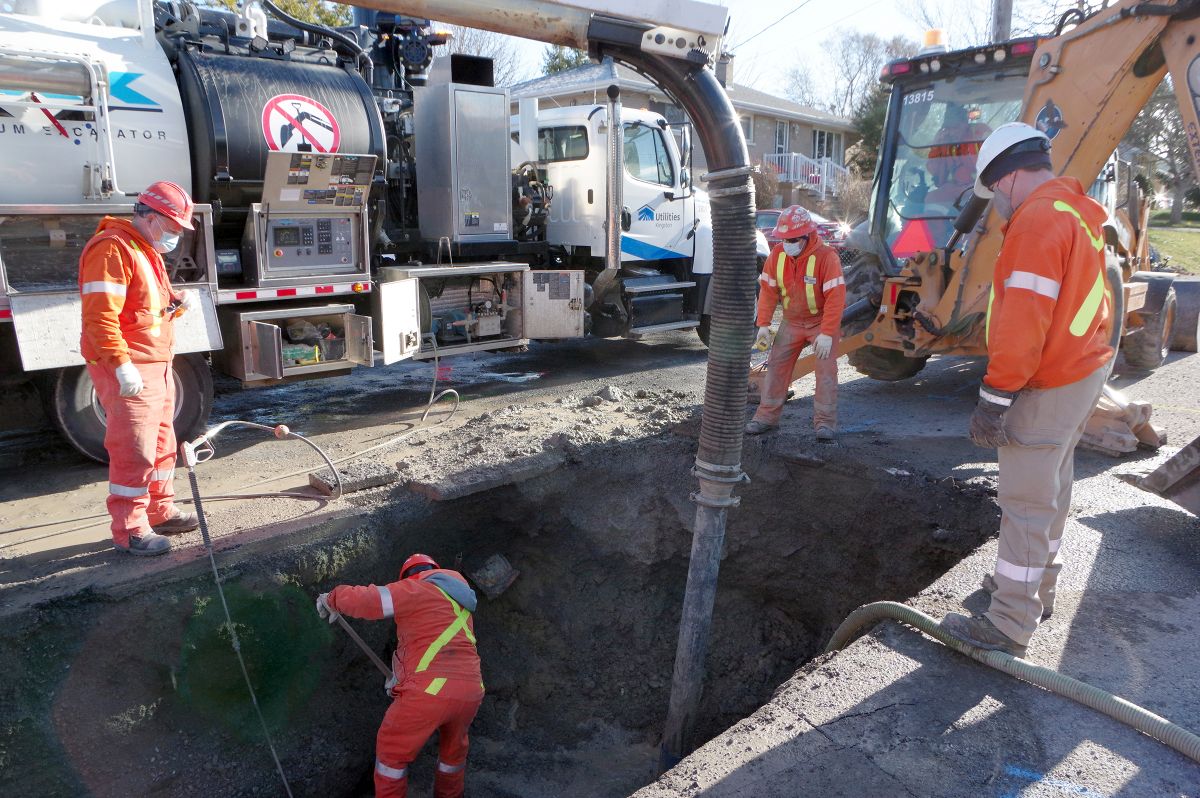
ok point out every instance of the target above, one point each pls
(1163, 219)
(1183, 247)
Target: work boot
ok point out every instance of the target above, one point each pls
(756, 427)
(146, 544)
(989, 586)
(825, 434)
(981, 633)
(180, 522)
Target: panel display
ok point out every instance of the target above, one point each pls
(287, 236)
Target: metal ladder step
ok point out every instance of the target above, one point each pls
(638, 332)
(642, 289)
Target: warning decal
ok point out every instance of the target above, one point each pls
(295, 123)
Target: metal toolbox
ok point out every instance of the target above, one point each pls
(294, 342)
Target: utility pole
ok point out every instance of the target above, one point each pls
(1001, 20)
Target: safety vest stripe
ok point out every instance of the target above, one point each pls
(810, 284)
(460, 622)
(994, 398)
(102, 287)
(390, 773)
(159, 475)
(1097, 243)
(1090, 307)
(987, 322)
(436, 686)
(1035, 283)
(832, 284)
(385, 601)
(1018, 573)
(153, 300)
(780, 262)
(447, 768)
(128, 491)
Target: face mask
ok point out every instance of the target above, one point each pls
(166, 241)
(792, 248)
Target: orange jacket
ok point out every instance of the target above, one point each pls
(435, 631)
(813, 287)
(1048, 319)
(126, 292)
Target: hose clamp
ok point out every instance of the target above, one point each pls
(719, 504)
(727, 174)
(744, 188)
(723, 476)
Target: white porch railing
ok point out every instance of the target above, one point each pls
(822, 176)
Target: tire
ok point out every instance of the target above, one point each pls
(1187, 314)
(888, 365)
(72, 405)
(1149, 347)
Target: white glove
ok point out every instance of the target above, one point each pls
(189, 301)
(823, 346)
(324, 611)
(763, 339)
(130, 379)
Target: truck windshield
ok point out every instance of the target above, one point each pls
(939, 130)
(646, 156)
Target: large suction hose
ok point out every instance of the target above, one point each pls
(1117, 708)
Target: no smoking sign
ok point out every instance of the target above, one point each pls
(295, 123)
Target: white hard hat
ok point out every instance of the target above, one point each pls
(1001, 141)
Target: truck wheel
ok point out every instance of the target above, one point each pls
(72, 405)
(1148, 348)
(888, 365)
(1187, 313)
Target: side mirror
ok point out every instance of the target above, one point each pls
(685, 178)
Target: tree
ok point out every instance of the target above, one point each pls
(557, 58)
(868, 120)
(506, 63)
(856, 59)
(967, 23)
(322, 13)
(1155, 132)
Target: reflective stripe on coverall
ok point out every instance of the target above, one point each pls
(819, 270)
(437, 683)
(1048, 332)
(125, 293)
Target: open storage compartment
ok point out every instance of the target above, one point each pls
(295, 342)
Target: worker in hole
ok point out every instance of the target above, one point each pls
(803, 274)
(1048, 328)
(435, 684)
(129, 310)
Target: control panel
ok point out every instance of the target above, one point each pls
(306, 241)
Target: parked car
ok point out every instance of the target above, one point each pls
(834, 233)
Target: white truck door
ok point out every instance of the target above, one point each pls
(660, 218)
(395, 311)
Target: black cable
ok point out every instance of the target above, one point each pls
(773, 24)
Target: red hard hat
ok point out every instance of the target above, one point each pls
(414, 561)
(170, 200)
(794, 222)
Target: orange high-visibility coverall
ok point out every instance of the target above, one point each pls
(436, 682)
(126, 297)
(1048, 325)
(813, 293)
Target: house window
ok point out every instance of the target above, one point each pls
(827, 145)
(781, 137)
(748, 128)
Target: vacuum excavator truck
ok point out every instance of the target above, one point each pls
(921, 282)
(356, 198)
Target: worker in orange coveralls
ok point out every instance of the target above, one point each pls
(805, 274)
(435, 681)
(1048, 331)
(129, 308)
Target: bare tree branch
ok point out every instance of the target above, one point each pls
(488, 44)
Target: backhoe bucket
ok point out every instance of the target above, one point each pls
(1178, 479)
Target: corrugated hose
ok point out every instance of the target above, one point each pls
(1115, 707)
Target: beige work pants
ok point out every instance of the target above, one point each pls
(1037, 470)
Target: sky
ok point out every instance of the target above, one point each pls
(763, 61)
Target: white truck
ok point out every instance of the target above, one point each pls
(356, 198)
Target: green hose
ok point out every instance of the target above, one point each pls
(1117, 708)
